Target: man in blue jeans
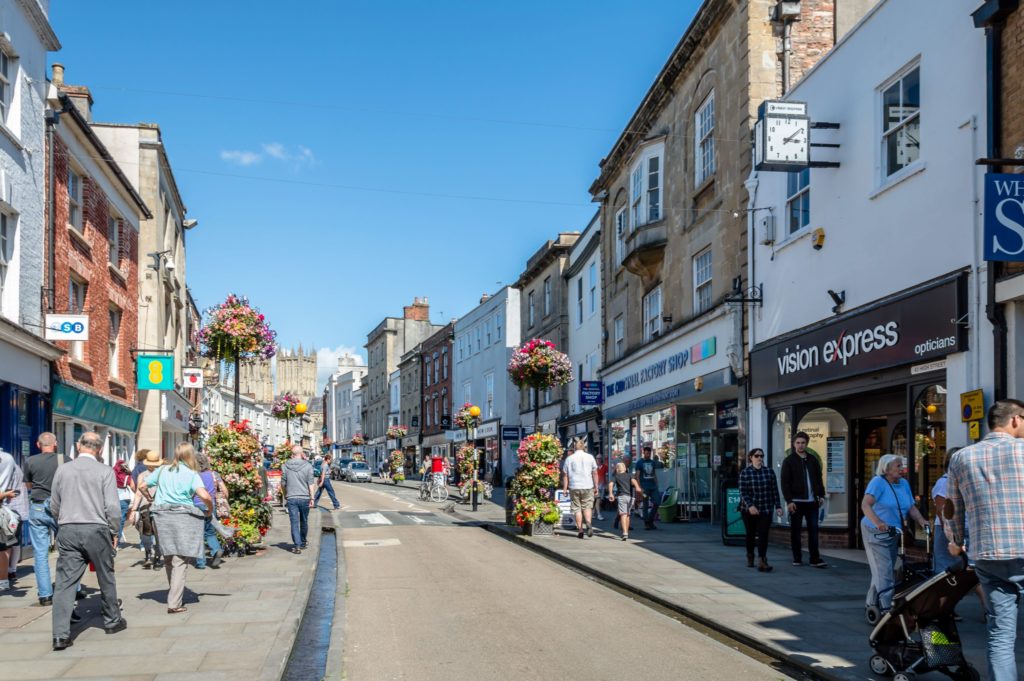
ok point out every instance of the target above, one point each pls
(299, 487)
(647, 475)
(324, 483)
(42, 527)
(986, 481)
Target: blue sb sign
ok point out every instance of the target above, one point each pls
(1004, 217)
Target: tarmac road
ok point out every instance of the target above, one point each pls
(429, 597)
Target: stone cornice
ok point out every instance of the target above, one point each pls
(37, 17)
(19, 337)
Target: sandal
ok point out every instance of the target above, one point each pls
(175, 611)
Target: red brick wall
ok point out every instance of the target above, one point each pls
(89, 262)
(812, 37)
(436, 343)
(1013, 86)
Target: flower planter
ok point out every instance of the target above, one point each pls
(539, 529)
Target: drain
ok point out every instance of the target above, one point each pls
(308, 659)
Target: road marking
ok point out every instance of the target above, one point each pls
(374, 519)
(364, 543)
(416, 519)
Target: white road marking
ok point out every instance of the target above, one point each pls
(417, 519)
(363, 543)
(374, 519)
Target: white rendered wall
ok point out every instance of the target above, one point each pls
(585, 335)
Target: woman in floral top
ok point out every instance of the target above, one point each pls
(759, 497)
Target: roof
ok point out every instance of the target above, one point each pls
(159, 145)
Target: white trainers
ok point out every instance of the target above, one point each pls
(5, 584)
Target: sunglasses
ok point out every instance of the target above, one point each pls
(757, 456)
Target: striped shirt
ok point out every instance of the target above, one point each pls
(986, 480)
(758, 488)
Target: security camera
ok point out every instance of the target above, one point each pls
(169, 264)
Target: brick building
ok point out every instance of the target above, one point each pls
(93, 269)
(438, 368)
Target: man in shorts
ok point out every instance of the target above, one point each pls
(580, 480)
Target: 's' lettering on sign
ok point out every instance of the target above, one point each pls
(1004, 217)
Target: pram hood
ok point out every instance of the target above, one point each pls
(921, 604)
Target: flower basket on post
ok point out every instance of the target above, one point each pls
(285, 407)
(397, 466)
(537, 365)
(532, 486)
(237, 456)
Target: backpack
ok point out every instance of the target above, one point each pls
(318, 468)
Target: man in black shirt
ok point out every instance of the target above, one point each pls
(804, 493)
(42, 527)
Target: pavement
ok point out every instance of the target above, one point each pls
(812, 618)
(240, 625)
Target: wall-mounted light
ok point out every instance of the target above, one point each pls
(698, 383)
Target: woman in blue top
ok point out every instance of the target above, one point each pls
(887, 503)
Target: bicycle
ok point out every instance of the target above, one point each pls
(433, 488)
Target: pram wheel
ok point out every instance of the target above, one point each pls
(905, 676)
(878, 665)
(872, 614)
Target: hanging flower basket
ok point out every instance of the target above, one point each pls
(284, 406)
(538, 475)
(358, 440)
(237, 456)
(397, 460)
(465, 419)
(537, 364)
(235, 329)
(397, 432)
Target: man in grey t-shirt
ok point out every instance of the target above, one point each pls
(42, 527)
(299, 487)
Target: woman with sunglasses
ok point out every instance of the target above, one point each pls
(759, 497)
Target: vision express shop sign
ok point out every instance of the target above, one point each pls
(908, 330)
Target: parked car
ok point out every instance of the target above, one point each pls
(356, 471)
(338, 468)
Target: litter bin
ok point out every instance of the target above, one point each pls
(668, 511)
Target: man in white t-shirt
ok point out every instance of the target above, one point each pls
(580, 480)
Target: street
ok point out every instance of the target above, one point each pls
(431, 598)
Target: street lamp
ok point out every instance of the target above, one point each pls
(474, 412)
(300, 409)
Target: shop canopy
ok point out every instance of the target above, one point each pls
(79, 404)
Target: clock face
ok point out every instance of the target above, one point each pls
(786, 140)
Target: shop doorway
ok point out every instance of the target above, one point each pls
(870, 437)
(929, 446)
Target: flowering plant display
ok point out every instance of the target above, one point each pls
(537, 364)
(538, 474)
(284, 406)
(236, 329)
(358, 440)
(465, 418)
(466, 461)
(237, 456)
(397, 460)
(618, 432)
(396, 432)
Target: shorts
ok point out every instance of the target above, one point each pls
(625, 502)
(581, 499)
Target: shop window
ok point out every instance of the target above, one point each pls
(828, 431)
(929, 445)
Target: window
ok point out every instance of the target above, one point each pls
(620, 236)
(428, 372)
(637, 194)
(547, 296)
(479, 334)
(798, 205)
(497, 328)
(76, 305)
(704, 144)
(460, 344)
(653, 189)
(620, 336)
(6, 248)
(593, 287)
(487, 331)
(579, 301)
(652, 315)
(114, 240)
(530, 313)
(489, 387)
(702, 282)
(444, 363)
(74, 199)
(548, 396)
(5, 85)
(901, 122)
(436, 420)
(426, 410)
(467, 393)
(645, 186)
(437, 374)
(113, 341)
(579, 374)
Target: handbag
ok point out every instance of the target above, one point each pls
(222, 507)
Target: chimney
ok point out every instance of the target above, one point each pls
(484, 298)
(79, 94)
(419, 311)
(58, 75)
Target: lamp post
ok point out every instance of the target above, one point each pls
(474, 412)
(300, 409)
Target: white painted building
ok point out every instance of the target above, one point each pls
(873, 321)
(25, 39)
(484, 340)
(218, 408)
(583, 284)
(342, 407)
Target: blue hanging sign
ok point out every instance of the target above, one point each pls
(591, 393)
(1004, 217)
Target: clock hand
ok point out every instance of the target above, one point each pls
(792, 138)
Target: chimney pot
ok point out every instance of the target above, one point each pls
(58, 74)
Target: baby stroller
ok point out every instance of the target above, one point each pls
(919, 635)
(907, 574)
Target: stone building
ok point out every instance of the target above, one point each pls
(296, 373)
(544, 315)
(93, 268)
(255, 379)
(674, 230)
(409, 390)
(437, 369)
(341, 414)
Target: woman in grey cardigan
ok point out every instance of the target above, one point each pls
(179, 522)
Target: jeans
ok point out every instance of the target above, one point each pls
(298, 514)
(650, 508)
(757, 527)
(881, 549)
(41, 529)
(125, 504)
(943, 559)
(210, 536)
(330, 492)
(808, 510)
(1001, 581)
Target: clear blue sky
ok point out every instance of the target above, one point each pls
(344, 157)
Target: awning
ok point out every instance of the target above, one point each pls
(79, 404)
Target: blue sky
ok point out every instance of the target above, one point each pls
(344, 157)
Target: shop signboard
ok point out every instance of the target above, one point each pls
(591, 393)
(565, 508)
(733, 526)
(1004, 217)
(67, 327)
(972, 406)
(510, 433)
(486, 430)
(192, 377)
(728, 414)
(908, 330)
(835, 461)
(155, 372)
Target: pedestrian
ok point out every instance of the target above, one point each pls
(759, 499)
(179, 522)
(887, 503)
(299, 484)
(385, 469)
(125, 492)
(942, 558)
(602, 480)
(14, 499)
(623, 490)
(804, 492)
(324, 483)
(140, 466)
(209, 534)
(39, 470)
(647, 475)
(84, 502)
(986, 485)
(139, 514)
(580, 481)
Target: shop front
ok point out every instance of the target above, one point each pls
(872, 381)
(76, 411)
(669, 396)
(24, 388)
(174, 415)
